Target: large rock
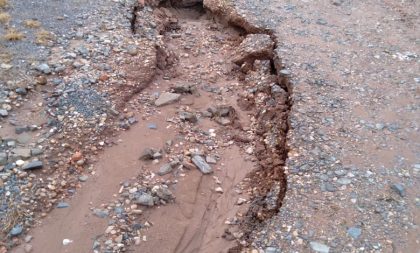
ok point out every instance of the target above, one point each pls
(23, 153)
(254, 46)
(201, 164)
(167, 98)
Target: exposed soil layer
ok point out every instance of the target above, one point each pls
(244, 107)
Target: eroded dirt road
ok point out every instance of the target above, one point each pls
(216, 89)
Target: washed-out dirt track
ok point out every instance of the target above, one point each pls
(251, 148)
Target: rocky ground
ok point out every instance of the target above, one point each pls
(163, 126)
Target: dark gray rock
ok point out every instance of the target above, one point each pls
(201, 164)
(33, 165)
(21, 91)
(36, 151)
(399, 188)
(184, 88)
(188, 116)
(21, 129)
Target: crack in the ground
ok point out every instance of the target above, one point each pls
(133, 18)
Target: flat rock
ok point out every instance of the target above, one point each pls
(201, 164)
(399, 188)
(63, 205)
(344, 181)
(165, 169)
(152, 126)
(3, 158)
(23, 153)
(33, 165)
(4, 113)
(211, 159)
(145, 199)
(254, 46)
(167, 98)
(188, 116)
(354, 232)
(100, 213)
(319, 247)
(16, 230)
(36, 151)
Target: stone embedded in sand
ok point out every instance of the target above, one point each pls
(211, 159)
(23, 153)
(201, 164)
(76, 156)
(188, 116)
(33, 165)
(145, 199)
(319, 247)
(147, 154)
(16, 230)
(184, 88)
(254, 46)
(162, 192)
(165, 169)
(4, 113)
(167, 98)
(3, 158)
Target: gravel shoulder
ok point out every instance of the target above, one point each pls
(353, 161)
